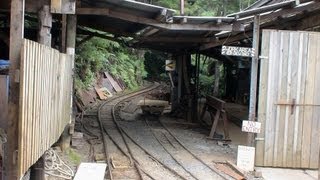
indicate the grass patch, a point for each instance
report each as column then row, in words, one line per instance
column 73, row 156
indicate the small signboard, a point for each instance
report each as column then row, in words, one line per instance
column 251, row 126
column 91, row 171
column 237, row 51
column 245, row 158
column 170, row 65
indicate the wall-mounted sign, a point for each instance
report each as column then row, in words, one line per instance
column 245, row 158
column 251, row 126
column 237, row 51
column 170, row 65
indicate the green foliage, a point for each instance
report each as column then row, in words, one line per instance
column 207, row 7
column 98, row 55
column 155, row 65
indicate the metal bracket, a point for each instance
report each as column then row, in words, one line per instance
column 259, row 139
column 263, row 57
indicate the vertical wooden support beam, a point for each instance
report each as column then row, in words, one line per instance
column 186, row 59
column 254, row 77
column 16, row 40
column 45, row 24
column 63, row 33
column 71, row 44
column 181, row 7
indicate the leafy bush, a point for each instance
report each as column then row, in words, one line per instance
column 98, row 55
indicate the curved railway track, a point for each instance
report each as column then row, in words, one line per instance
column 113, row 132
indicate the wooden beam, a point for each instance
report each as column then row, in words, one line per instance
column 263, row 9
column 16, row 40
column 45, row 24
column 63, row 33
column 154, row 23
column 162, row 16
column 254, row 77
column 265, row 19
column 65, row 138
column 181, row 7
column 175, row 39
column 100, row 35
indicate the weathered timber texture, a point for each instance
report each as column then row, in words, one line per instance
column 289, row 103
column 45, row 88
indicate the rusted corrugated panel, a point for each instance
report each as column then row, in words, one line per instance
column 289, row 103
column 45, row 100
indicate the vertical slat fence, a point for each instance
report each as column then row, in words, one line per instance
column 45, row 100
column 289, row 103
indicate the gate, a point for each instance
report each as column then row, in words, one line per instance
column 289, row 100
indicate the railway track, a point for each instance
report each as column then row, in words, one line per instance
column 190, row 162
column 118, row 144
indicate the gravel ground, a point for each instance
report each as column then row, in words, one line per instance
column 193, row 137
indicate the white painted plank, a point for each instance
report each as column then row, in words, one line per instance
column 94, row 171
column 262, row 100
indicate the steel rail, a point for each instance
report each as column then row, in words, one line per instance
column 190, row 152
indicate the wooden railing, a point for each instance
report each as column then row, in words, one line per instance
column 45, row 100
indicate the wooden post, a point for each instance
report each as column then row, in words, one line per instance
column 254, row 77
column 181, row 7
column 45, row 24
column 63, row 33
column 16, row 39
column 71, row 43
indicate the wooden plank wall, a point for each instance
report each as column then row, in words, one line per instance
column 45, row 93
column 4, row 83
column 289, row 73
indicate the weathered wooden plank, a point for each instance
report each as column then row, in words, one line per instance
column 302, row 71
column 282, row 84
column 315, row 124
column 113, row 82
column 271, row 108
column 293, row 55
column 263, row 86
column 308, row 110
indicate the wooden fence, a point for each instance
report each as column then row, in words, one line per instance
column 289, row 100
column 45, row 100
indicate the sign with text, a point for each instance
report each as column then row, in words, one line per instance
column 245, row 158
column 170, row 65
column 237, row 51
column 251, row 126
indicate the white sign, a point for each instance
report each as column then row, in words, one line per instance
column 245, row 158
column 251, row 126
column 237, row 51
column 170, row 65
column 91, row 171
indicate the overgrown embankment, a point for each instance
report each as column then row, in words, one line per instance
column 100, row 55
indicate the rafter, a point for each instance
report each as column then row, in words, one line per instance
column 155, row 23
